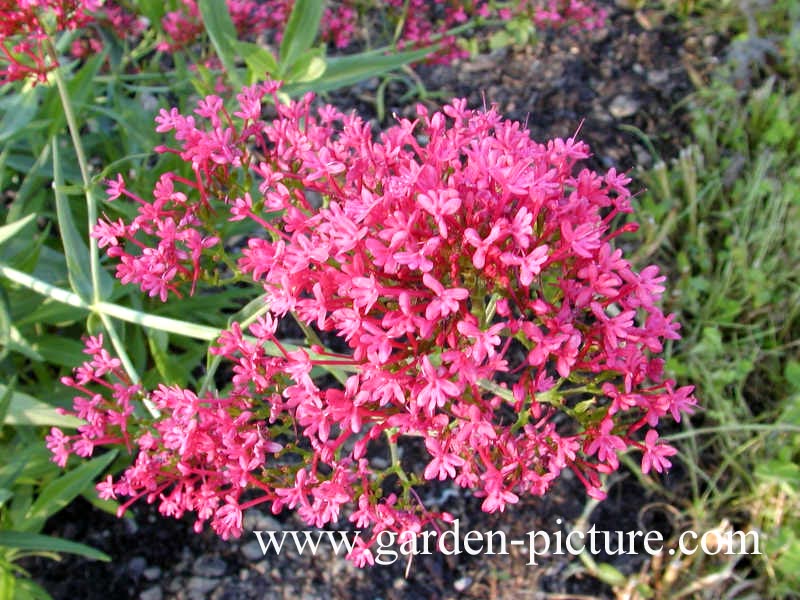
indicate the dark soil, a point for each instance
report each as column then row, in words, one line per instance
column 630, row 77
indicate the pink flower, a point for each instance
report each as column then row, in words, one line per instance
column 446, row 301
column 443, row 464
column 436, row 391
column 605, row 444
column 655, row 453
column 227, row 521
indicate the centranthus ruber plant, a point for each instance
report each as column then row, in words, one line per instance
column 24, row 27
column 464, row 279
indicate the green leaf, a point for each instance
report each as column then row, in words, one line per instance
column 36, row 542
column 610, row 575
column 780, row 472
column 154, row 10
column 7, row 584
column 75, row 251
column 342, row 71
column 791, row 410
column 170, row 371
column 309, row 67
column 583, row 406
column 27, row 410
column 9, row 231
column 300, row 32
column 79, row 88
column 27, row 589
column 5, row 326
column 5, row 399
column 222, row 33
column 60, row 350
column 792, row 374
column 45, row 263
column 499, row 39
column 258, row 59
column 63, row 490
column 17, row 461
column 17, row 343
column 18, row 113
column 51, row 312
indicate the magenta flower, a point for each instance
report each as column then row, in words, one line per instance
column 655, row 453
column 466, row 276
column 23, row 33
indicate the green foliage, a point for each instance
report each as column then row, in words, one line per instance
column 32, row 489
column 725, row 215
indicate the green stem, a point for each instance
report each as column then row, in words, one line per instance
column 395, row 457
column 91, row 209
column 130, row 315
column 774, row 428
column 217, row 359
column 83, row 165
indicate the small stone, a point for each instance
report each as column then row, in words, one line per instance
column 482, row 62
column 252, row 551
column 623, row 106
column 260, row 567
column 379, row 462
column 657, row 77
column 151, row 573
column 131, row 526
column 643, row 157
column 209, row 566
column 136, row 565
column 201, row 585
column 462, row 584
column 152, row 593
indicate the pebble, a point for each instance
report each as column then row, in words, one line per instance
column 462, row 584
column 137, row 565
column 657, row 77
column 260, row 567
column 151, row 573
column 623, row 106
column 252, row 551
column 152, row 593
column 209, row 566
column 643, row 157
column 201, row 585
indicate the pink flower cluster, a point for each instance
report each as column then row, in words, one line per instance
column 23, row 30
column 124, row 24
column 253, row 18
column 467, row 269
column 421, row 22
column 426, row 21
column 196, row 458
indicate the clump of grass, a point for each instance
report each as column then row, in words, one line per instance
column 725, row 215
